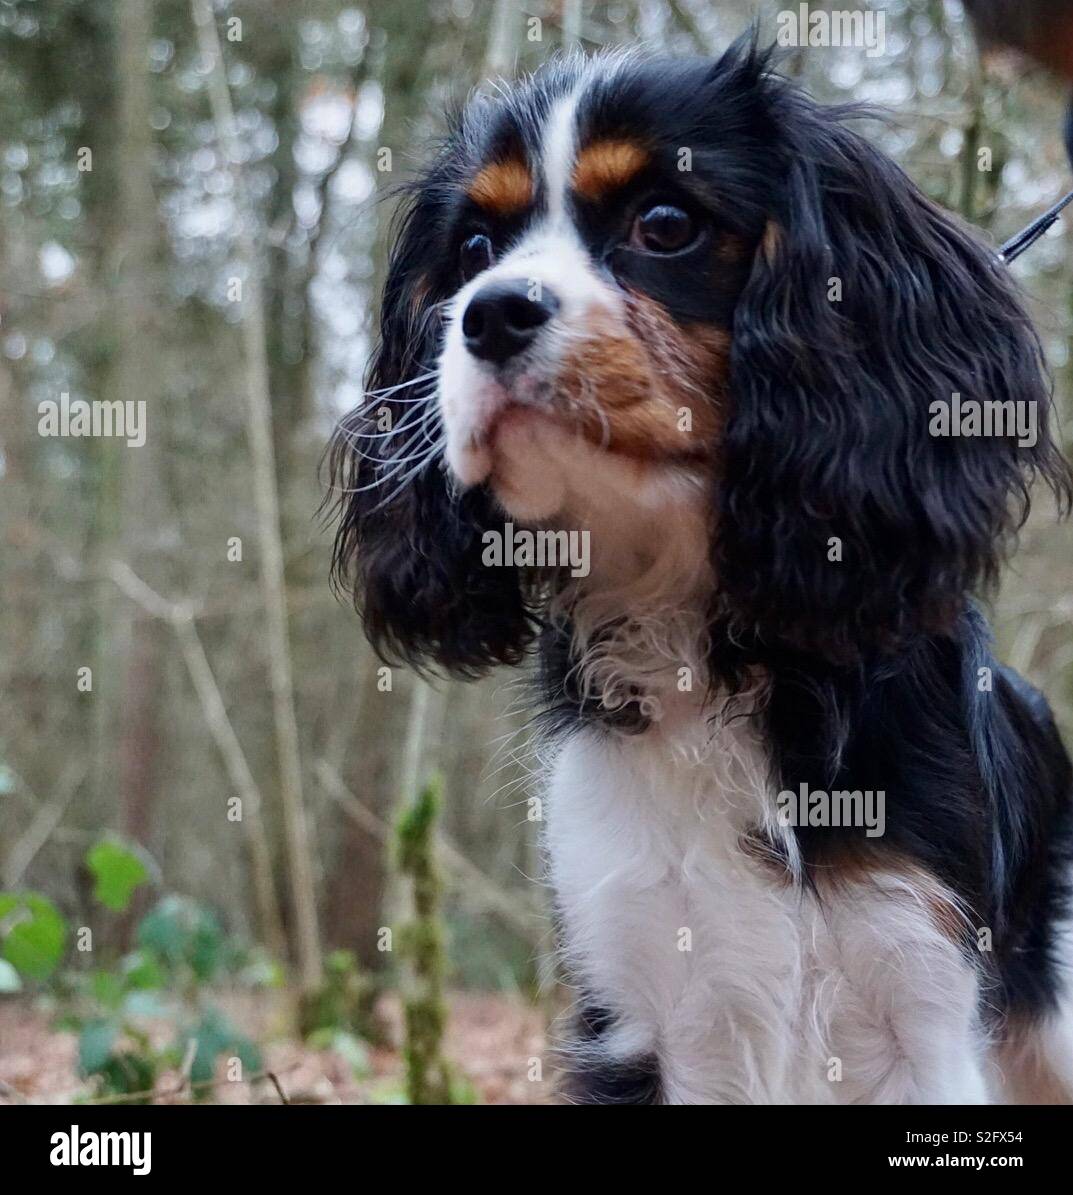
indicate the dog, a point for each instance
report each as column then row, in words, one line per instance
column 678, row 307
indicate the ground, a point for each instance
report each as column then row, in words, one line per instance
column 493, row 1039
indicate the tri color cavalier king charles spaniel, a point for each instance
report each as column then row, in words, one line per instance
column 678, row 305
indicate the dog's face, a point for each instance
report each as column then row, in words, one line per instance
column 633, row 291
column 597, row 259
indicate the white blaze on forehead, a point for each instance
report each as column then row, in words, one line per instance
column 558, row 152
column 472, row 394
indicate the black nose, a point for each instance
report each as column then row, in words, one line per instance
column 504, row 317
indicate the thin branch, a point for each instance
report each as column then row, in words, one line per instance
column 271, row 1076
column 43, row 825
column 469, row 880
column 180, row 616
column 688, row 22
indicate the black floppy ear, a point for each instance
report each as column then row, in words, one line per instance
column 844, row 524
column 407, row 546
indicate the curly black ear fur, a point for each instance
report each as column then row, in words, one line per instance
column 407, row 546
column 828, row 446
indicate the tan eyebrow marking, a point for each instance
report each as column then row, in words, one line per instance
column 502, row 188
column 605, row 166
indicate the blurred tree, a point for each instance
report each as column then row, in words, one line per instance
column 136, row 384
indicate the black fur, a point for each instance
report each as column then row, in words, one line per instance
column 589, row 1078
column 874, row 660
column 829, row 440
column 978, row 790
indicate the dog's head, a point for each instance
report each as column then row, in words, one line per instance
column 639, row 295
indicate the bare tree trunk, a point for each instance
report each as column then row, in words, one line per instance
column 22, row 582
column 358, row 877
column 259, row 430
column 137, row 381
column 974, row 133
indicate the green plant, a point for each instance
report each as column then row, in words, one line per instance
column 181, row 948
column 430, row 1079
column 148, row 1011
column 343, row 1003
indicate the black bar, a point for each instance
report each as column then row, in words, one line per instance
column 308, row 1144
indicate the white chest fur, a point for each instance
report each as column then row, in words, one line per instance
column 745, row 986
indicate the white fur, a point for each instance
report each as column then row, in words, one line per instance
column 778, row 995
column 560, row 145
column 478, row 403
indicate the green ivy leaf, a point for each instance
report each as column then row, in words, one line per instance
column 164, row 929
column 215, row 1035
column 179, row 930
column 32, row 933
column 118, row 870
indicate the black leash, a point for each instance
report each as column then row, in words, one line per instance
column 1026, row 239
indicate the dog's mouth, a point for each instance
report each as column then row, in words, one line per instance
column 518, row 415
column 536, row 408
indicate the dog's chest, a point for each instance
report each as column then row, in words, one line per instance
column 715, row 962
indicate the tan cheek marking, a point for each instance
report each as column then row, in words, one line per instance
column 605, row 166
column 646, row 387
column 502, row 188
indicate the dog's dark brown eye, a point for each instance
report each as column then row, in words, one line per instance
column 663, row 229
column 475, row 255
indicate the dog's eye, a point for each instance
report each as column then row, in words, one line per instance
column 663, row 229
column 475, row 255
